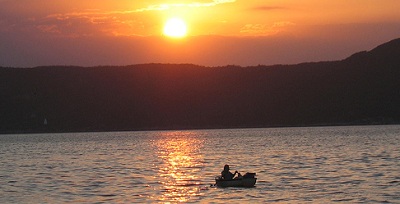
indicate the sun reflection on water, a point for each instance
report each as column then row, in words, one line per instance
column 182, row 161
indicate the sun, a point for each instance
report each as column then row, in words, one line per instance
column 175, row 28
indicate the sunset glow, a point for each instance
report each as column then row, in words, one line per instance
column 216, row 32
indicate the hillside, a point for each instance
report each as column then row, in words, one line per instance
column 362, row 89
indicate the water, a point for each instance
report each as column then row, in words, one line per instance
column 293, row 165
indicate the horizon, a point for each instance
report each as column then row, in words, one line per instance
column 199, row 65
column 216, row 33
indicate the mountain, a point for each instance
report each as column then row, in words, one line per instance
column 361, row 89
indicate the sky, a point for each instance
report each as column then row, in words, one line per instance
column 219, row 32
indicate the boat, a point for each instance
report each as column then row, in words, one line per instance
column 248, row 180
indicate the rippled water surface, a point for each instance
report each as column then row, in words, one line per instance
column 293, row 165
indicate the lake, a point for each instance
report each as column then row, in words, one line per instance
column 294, row 165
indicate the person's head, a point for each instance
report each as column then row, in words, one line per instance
column 226, row 167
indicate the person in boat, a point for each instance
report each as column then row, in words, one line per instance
column 227, row 175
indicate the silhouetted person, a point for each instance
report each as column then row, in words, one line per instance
column 227, row 175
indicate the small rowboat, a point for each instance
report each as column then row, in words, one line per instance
column 248, row 180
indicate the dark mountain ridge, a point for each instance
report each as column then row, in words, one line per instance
column 361, row 89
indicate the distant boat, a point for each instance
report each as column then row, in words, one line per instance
column 248, row 180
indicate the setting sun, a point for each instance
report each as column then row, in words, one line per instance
column 175, row 27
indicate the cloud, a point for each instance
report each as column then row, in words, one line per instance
column 96, row 22
column 264, row 29
column 160, row 7
column 49, row 29
column 251, row 29
column 117, row 23
column 268, row 8
column 154, row 7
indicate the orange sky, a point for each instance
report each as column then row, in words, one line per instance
column 220, row 32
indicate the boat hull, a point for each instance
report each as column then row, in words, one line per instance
column 244, row 182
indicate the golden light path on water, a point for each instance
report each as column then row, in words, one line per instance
column 181, row 163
